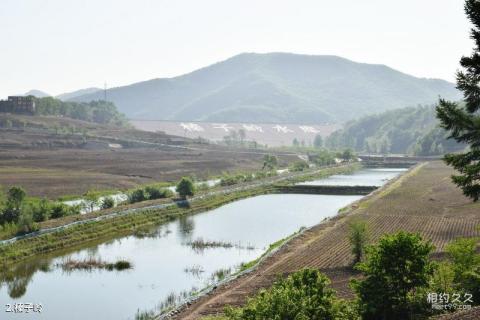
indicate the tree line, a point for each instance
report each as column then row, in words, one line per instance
column 98, row 111
column 413, row 131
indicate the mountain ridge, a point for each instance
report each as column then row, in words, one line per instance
column 276, row 87
column 73, row 94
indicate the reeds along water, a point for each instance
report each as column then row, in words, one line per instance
column 92, row 263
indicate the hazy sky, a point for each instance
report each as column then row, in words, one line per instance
column 64, row 45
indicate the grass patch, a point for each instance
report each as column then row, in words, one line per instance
column 220, row 274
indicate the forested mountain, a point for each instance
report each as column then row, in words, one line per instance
column 408, row 130
column 276, row 87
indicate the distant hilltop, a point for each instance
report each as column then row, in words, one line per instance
column 276, row 87
column 64, row 96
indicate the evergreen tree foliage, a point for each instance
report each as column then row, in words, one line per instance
column 463, row 121
column 185, row 187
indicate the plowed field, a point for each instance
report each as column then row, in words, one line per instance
column 423, row 200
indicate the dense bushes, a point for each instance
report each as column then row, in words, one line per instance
column 94, row 111
column 464, row 267
column 270, row 162
column 185, row 187
column 59, row 210
column 299, row 165
column 303, row 295
column 19, row 215
column 398, row 276
column 148, row 193
column 232, row 179
column 395, row 272
column 322, row 157
column 107, row 203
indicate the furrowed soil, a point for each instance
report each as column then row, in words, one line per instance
column 423, row 200
column 53, row 157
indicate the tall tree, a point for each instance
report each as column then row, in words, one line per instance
column 358, row 237
column 185, row 187
column 463, row 121
column 394, row 271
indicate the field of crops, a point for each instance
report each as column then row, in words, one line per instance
column 423, row 200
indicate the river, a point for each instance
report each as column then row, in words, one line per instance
column 165, row 265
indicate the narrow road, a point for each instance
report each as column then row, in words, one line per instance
column 267, row 181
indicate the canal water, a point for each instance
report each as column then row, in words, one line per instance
column 364, row 177
column 166, row 264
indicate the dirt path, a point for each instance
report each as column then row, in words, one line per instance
column 121, row 211
column 423, row 200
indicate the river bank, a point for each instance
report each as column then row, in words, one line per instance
column 125, row 222
column 170, row 261
column 423, row 200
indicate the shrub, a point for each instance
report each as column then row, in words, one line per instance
column 157, row 193
column 465, row 265
column 228, row 180
column 41, row 212
column 107, row 203
column 185, row 187
column 463, row 254
column 26, row 223
column 299, row 166
column 91, row 199
column 269, row 162
column 15, row 198
column 394, row 271
column 323, row 158
column 303, row 295
column 60, row 210
column 358, row 238
column 137, row 195
column 10, row 214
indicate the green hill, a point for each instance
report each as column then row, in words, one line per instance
column 408, row 130
column 276, row 87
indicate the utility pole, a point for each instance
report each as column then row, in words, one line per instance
column 105, row 92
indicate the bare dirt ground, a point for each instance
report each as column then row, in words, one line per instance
column 423, row 201
column 272, row 134
column 53, row 173
column 43, row 156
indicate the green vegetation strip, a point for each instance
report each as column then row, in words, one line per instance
column 111, row 228
column 127, row 224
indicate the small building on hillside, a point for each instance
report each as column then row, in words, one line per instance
column 18, row 104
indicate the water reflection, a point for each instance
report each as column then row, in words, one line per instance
column 186, row 225
column 17, row 279
column 164, row 267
